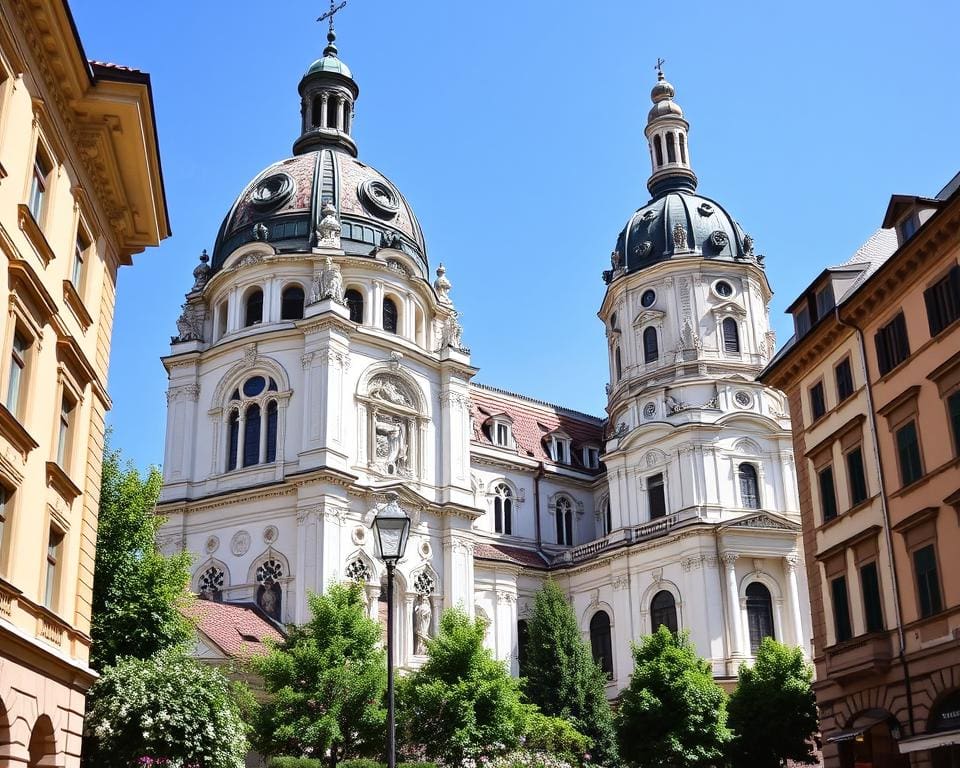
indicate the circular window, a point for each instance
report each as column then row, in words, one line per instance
column 379, row 198
column 723, row 288
column 273, row 191
column 743, row 399
column 648, row 298
column 253, row 387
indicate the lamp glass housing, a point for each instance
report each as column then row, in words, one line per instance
column 391, row 528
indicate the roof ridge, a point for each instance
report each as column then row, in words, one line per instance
column 562, row 408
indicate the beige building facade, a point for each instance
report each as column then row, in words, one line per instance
column 873, row 380
column 81, row 191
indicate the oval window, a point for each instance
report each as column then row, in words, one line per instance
column 648, row 298
column 253, row 387
column 723, row 288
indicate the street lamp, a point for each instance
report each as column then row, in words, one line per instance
column 391, row 527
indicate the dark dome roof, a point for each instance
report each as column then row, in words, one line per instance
column 677, row 224
column 282, row 206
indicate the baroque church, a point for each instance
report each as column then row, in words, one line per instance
column 320, row 371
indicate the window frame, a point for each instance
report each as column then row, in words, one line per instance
column 851, row 486
column 651, row 349
column 937, row 582
column 301, row 306
column 503, row 505
column 53, row 570
column 66, row 441
column 247, row 297
column 844, row 393
column 564, row 520
column 818, row 400
column 601, row 642
column 942, row 301
column 672, row 609
column 887, row 339
column 869, row 625
column 841, row 622
column 24, row 361
column 757, row 501
column 821, row 471
column 732, row 345
column 8, row 510
column 900, row 428
column 650, row 482
column 42, row 151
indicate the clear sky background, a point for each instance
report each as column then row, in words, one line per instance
column 515, row 130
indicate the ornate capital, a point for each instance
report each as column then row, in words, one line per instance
column 729, row 558
column 506, row 597
column 791, row 562
column 306, row 359
column 621, row 582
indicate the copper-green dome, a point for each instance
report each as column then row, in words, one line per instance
column 329, row 64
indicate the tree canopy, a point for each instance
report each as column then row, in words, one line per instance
column 672, row 714
column 325, row 683
column 137, row 591
column 562, row 678
column 773, row 712
column 462, row 704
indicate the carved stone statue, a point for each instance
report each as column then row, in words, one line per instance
column 190, row 323
column 390, row 433
column 422, row 620
column 442, row 285
column 384, row 388
column 328, row 284
column 201, row 272
column 327, row 233
column 452, row 334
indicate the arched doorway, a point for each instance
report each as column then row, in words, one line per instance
column 870, row 741
column 43, row 744
column 944, row 718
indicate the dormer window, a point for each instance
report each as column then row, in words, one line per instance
column 560, row 449
column 501, row 431
column 909, row 227
column 591, row 457
column 503, row 435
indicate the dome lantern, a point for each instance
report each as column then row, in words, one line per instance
column 327, row 95
column 666, row 133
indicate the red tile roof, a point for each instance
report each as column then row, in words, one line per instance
column 532, row 421
column 110, row 65
column 238, row 629
column 506, row 554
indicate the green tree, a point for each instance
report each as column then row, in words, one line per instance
column 773, row 712
column 137, row 591
column 562, row 678
column 462, row 703
column 168, row 708
column 672, row 714
column 325, row 683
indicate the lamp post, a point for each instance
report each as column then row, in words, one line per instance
column 391, row 527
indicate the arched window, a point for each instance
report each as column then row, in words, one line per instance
column 749, row 492
column 221, row 320
column 354, row 300
column 759, row 614
column 233, row 439
column 658, row 150
column 564, row 511
column 671, row 148
column 683, row 149
column 254, row 309
column 269, row 594
column 618, row 362
column 333, row 106
column 211, row 583
column 606, row 522
column 503, row 509
column 523, row 639
column 253, row 404
column 731, row 336
column 601, row 644
column 317, row 111
column 663, row 611
column 390, row 315
column 651, row 350
column 251, row 435
column 291, row 303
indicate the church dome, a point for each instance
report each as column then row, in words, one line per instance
column 282, row 206
column 329, row 64
column 677, row 224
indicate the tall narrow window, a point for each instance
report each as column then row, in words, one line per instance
column 841, row 608
column 233, row 440
column 749, row 491
column 663, row 611
column 731, row 336
column 818, row 402
column 759, row 614
column 953, row 407
column 291, row 303
column 503, row 509
column 333, row 106
column 271, row 431
column 251, row 436
column 18, row 364
column 651, row 350
column 656, row 498
column 354, row 301
column 943, row 301
column 928, row 580
column 872, row 602
column 254, row 309
column 844, row 380
column 683, row 148
column 52, row 583
column 39, row 182
column 658, row 150
column 893, row 345
column 80, row 249
column 65, row 432
column 564, row 510
column 222, row 320
column 317, row 111
column 856, row 477
column 828, row 496
column 601, row 643
column 390, row 315
column 908, row 453
column 5, row 506
column 618, row 363
column 671, row 148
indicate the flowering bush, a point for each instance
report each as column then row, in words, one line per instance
column 168, row 711
column 520, row 759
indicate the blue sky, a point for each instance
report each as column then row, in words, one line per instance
column 515, row 130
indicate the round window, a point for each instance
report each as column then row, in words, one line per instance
column 648, row 298
column 253, row 387
column 743, row 399
column 723, row 288
column 273, row 191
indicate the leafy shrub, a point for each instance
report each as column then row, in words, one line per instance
column 554, row 735
column 361, row 762
column 295, row 762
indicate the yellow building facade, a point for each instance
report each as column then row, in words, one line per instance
column 81, row 191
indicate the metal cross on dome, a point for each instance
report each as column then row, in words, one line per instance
column 332, row 12
column 658, row 67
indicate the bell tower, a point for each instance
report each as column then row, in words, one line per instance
column 667, row 136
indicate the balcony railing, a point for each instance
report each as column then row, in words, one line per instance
column 654, row 528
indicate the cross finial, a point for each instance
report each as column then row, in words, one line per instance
column 328, row 15
column 659, row 67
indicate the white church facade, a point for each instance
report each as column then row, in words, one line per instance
column 320, row 368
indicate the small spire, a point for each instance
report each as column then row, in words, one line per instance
column 666, row 133
column 331, row 49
